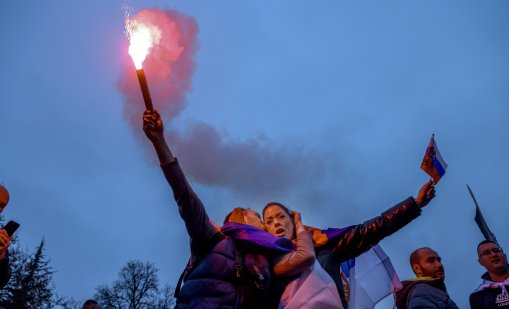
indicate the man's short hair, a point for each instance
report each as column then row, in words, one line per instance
column 414, row 257
column 486, row 242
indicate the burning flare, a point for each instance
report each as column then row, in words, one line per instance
column 163, row 44
column 142, row 38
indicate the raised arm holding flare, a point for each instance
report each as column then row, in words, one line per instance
column 223, row 271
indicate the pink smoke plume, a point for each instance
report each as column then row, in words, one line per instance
column 169, row 66
column 252, row 167
column 255, row 167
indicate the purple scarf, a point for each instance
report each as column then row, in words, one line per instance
column 257, row 238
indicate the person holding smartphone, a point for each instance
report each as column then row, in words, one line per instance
column 5, row 271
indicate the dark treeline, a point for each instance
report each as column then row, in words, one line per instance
column 31, row 285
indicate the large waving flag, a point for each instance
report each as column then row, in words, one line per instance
column 479, row 219
column 371, row 278
column 433, row 163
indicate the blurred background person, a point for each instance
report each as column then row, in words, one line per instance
column 5, row 272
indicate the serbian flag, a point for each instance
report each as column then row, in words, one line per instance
column 433, row 163
column 371, row 278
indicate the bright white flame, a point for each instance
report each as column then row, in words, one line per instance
column 142, row 38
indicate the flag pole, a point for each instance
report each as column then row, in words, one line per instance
column 432, row 180
column 479, row 219
column 472, row 195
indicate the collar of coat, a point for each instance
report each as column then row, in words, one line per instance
column 488, row 284
column 408, row 286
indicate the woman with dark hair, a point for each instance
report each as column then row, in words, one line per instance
column 300, row 281
column 352, row 241
column 246, row 224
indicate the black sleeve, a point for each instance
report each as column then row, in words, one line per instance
column 5, row 271
column 473, row 303
column 362, row 237
column 190, row 207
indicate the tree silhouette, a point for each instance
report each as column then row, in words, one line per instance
column 31, row 283
column 137, row 287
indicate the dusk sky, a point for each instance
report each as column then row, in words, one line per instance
column 325, row 106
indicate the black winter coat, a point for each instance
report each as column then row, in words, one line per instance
column 214, row 280
column 489, row 298
column 5, row 271
column 362, row 237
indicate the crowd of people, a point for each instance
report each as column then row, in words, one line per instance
column 274, row 261
column 245, row 264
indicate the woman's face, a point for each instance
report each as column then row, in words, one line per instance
column 278, row 222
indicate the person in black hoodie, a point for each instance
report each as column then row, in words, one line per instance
column 428, row 289
column 492, row 293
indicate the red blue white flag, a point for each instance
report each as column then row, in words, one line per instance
column 433, row 163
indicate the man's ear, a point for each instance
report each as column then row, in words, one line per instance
column 417, row 270
column 480, row 262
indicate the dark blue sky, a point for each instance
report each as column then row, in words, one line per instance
column 329, row 106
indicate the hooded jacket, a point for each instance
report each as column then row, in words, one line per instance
column 424, row 292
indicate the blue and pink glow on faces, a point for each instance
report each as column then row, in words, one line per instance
column 278, row 222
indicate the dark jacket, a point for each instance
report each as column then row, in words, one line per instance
column 489, row 298
column 214, row 280
column 5, row 271
column 424, row 294
column 360, row 238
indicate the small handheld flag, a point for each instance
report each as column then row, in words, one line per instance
column 433, row 163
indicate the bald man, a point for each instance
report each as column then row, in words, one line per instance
column 427, row 290
column 5, row 272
